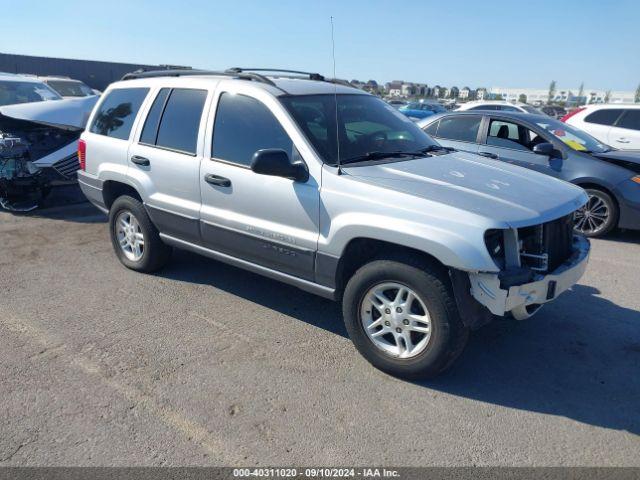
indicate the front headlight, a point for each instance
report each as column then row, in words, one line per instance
column 636, row 179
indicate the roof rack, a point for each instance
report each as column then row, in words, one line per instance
column 311, row 75
column 182, row 72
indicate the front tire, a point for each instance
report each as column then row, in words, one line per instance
column 401, row 315
column 135, row 239
column 599, row 216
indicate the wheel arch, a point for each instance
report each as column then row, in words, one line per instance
column 361, row 250
column 112, row 189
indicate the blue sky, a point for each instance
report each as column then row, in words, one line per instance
column 465, row 43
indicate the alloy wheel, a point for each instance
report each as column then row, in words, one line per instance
column 395, row 319
column 129, row 235
column 593, row 217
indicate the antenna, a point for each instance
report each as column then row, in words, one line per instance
column 335, row 95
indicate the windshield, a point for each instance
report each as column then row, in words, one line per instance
column 574, row 138
column 25, row 92
column 366, row 124
column 70, row 89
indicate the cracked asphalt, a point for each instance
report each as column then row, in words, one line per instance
column 205, row 364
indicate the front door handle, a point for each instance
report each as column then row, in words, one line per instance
column 622, row 140
column 138, row 160
column 217, row 180
column 489, row 155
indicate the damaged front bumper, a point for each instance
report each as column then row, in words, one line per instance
column 524, row 299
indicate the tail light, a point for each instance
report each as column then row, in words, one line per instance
column 82, row 154
column 572, row 113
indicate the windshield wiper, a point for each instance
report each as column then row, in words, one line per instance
column 379, row 155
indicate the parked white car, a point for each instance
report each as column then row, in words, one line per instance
column 617, row 125
column 499, row 105
column 16, row 89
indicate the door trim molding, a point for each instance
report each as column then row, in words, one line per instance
column 301, row 283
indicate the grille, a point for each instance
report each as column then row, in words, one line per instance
column 67, row 167
column 558, row 237
column 547, row 246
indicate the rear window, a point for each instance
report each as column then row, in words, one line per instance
column 464, row 129
column 118, row 111
column 605, row 116
column 70, row 89
column 484, row 107
column 630, row 120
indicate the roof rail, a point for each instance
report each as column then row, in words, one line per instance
column 311, row 75
column 183, row 72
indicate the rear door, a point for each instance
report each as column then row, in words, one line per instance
column 457, row 131
column 625, row 134
column 165, row 160
column 267, row 220
column 599, row 123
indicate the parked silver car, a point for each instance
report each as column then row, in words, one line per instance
column 420, row 243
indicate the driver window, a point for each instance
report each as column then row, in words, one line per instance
column 244, row 125
column 507, row 135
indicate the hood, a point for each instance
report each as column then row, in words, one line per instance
column 65, row 113
column 502, row 192
column 625, row 158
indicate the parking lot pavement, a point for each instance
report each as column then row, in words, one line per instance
column 206, row 364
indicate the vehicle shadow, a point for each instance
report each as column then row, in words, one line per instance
column 65, row 203
column 625, row 236
column 578, row 358
column 319, row 312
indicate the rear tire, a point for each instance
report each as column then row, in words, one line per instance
column 135, row 238
column 432, row 289
column 599, row 216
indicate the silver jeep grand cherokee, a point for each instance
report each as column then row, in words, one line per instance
column 330, row 189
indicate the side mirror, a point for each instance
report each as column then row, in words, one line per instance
column 275, row 162
column 543, row 149
column 547, row 149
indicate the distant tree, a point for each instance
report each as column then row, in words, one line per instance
column 607, row 96
column 637, row 96
column 552, row 91
column 581, row 94
column 498, row 97
column 522, row 98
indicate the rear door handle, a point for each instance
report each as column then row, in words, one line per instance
column 622, row 140
column 138, row 160
column 489, row 155
column 217, row 180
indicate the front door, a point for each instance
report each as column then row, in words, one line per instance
column 267, row 220
column 512, row 143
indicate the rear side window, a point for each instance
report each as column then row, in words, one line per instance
column 630, row 120
column 432, row 129
column 464, row 129
column 243, row 126
column 606, row 116
column 117, row 112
